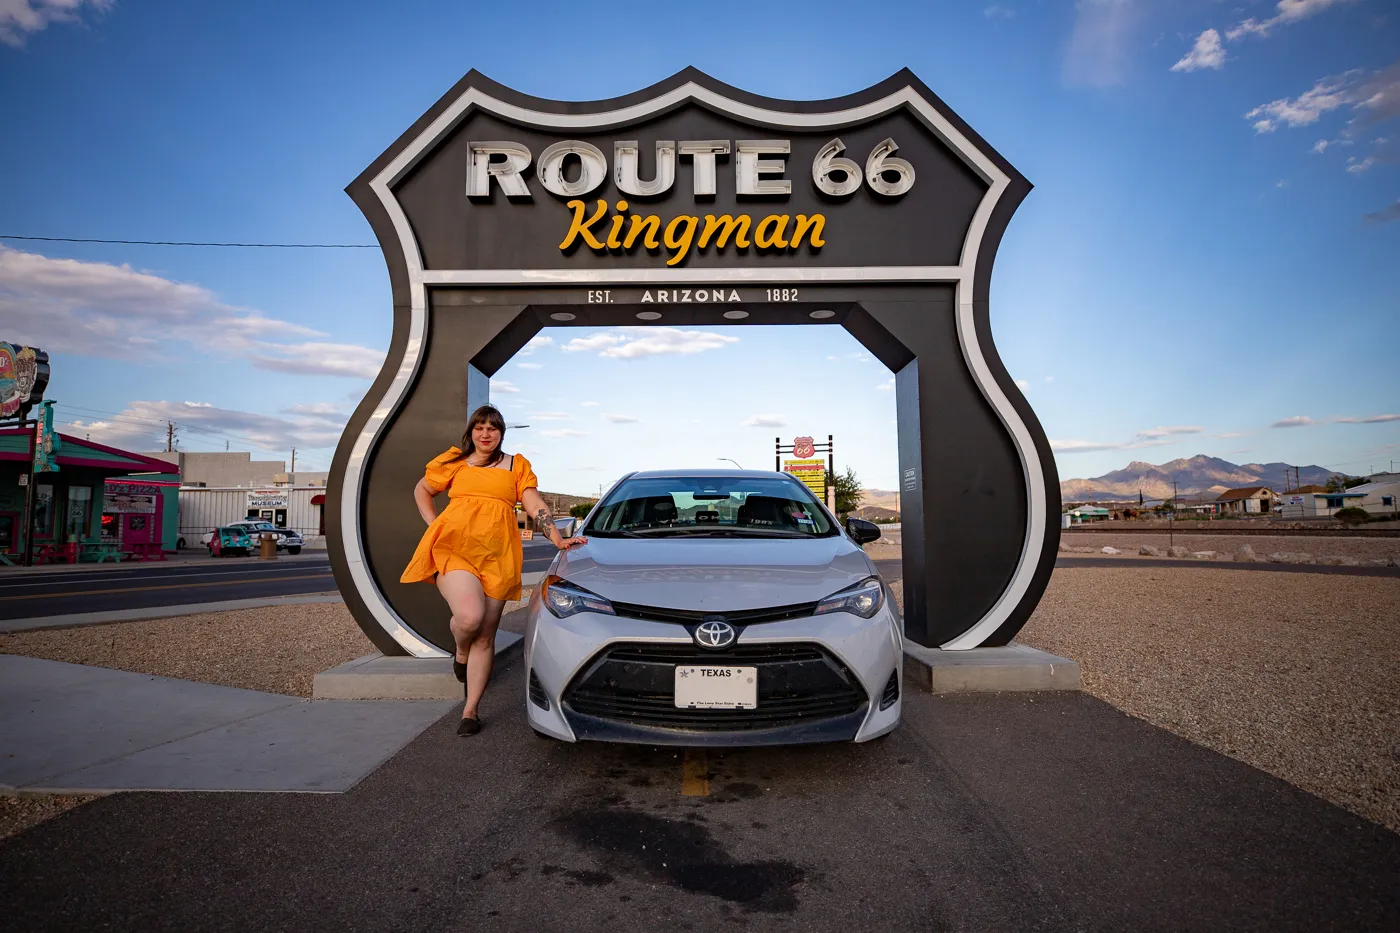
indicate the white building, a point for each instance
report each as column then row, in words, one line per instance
column 300, row 508
column 1249, row 500
column 1380, row 496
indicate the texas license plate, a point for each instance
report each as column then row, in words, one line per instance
column 709, row 686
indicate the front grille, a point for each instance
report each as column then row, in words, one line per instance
column 695, row 617
column 537, row 694
column 891, row 693
column 634, row 683
column 686, row 653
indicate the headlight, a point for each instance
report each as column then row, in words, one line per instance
column 864, row 599
column 564, row 598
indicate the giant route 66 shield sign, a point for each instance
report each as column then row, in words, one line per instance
column 692, row 203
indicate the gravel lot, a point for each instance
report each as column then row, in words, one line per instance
column 20, row 813
column 1297, row 676
column 277, row 649
column 1263, row 545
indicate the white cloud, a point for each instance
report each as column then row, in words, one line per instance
column 141, row 426
column 764, row 421
column 1157, row 432
column 1288, row 12
column 94, row 308
column 1230, row 434
column 21, row 18
column 621, row 419
column 1150, row 437
column 1049, row 378
column 597, row 341
column 1022, row 384
column 537, row 341
column 1356, row 166
column 550, row 416
column 997, row 11
column 564, row 432
column 1373, row 419
column 503, row 386
column 1385, row 215
column 1206, row 53
column 1372, row 99
column 1323, row 97
column 590, row 404
column 1297, row 421
column 530, row 365
column 887, row 385
column 635, row 342
column 1097, row 53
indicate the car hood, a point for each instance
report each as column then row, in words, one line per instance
column 719, row 574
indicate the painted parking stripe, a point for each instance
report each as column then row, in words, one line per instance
column 166, row 586
column 695, row 774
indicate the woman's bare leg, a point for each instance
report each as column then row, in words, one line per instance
column 475, row 617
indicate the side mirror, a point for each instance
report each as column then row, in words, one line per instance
column 861, row 531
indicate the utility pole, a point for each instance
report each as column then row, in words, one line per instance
column 169, row 436
column 294, row 466
column 1171, row 519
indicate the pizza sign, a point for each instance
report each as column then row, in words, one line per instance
column 803, row 447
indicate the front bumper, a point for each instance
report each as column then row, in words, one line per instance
column 609, row 678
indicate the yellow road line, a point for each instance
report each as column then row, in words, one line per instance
column 695, row 774
column 167, row 586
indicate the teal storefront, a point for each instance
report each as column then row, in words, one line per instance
column 69, row 504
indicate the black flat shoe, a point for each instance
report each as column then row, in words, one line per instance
column 469, row 727
column 459, row 670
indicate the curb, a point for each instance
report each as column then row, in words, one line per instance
column 379, row 677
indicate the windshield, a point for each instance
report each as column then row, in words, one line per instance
column 719, row 506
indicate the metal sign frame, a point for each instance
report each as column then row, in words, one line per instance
column 489, row 313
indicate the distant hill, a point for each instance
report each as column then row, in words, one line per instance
column 880, row 498
column 1196, row 475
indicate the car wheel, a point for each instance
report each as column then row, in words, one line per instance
column 179, row 542
column 294, row 550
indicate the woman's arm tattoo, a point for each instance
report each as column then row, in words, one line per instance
column 542, row 516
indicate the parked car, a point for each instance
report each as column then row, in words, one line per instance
column 287, row 540
column 229, row 539
column 714, row 608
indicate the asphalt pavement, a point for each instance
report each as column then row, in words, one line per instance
column 983, row 812
column 32, row 594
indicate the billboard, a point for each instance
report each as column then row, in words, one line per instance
column 24, row 374
column 811, row 472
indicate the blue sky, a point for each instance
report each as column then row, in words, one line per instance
column 1208, row 262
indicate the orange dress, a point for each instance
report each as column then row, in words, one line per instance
column 477, row 531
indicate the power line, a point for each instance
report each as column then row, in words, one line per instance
column 71, row 239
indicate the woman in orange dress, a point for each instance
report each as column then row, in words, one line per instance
column 473, row 548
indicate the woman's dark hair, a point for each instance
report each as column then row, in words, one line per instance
column 491, row 415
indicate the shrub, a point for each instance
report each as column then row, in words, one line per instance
column 580, row 509
column 1351, row 515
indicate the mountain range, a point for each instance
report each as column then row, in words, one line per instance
column 1196, row 476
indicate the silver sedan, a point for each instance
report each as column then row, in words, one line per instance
column 714, row 608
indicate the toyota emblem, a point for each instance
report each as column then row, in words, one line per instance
column 715, row 633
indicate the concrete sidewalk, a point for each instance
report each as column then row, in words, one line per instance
column 71, row 728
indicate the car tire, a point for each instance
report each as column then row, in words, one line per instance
column 180, row 543
column 294, row 550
